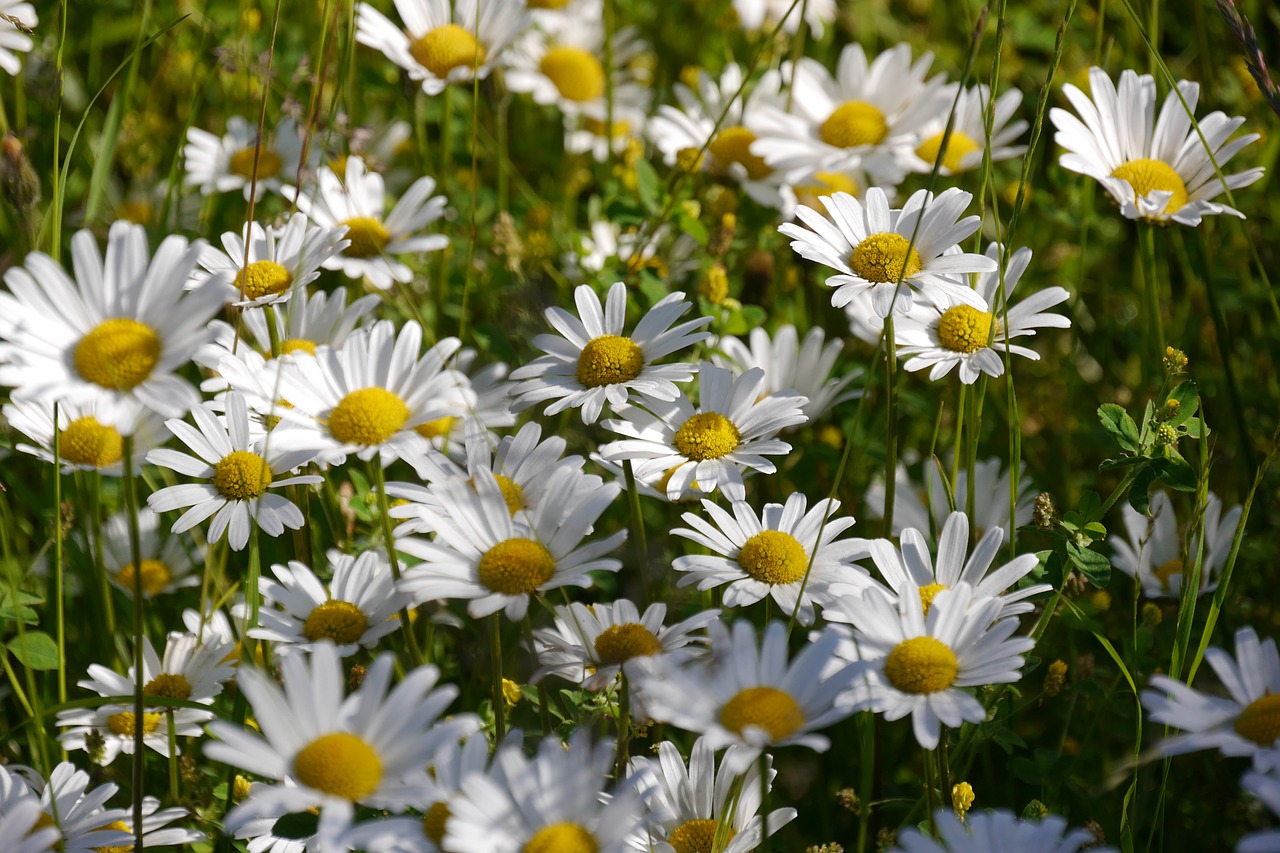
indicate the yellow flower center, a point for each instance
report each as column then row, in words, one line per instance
column 87, row 442
column 763, row 708
column 438, row 428
column 263, row 278
column 445, row 48
column 927, row 594
column 708, row 435
column 516, row 567
column 596, row 127
column 340, row 764
column 921, row 665
column 155, row 577
column 854, row 123
column 1260, row 720
column 1146, row 175
column 608, row 360
column 369, row 416
column 548, row 4
column 561, row 838
column 298, row 345
column 699, row 836
column 120, row 826
column 958, row 147
column 169, row 686
column 1168, row 571
column 576, row 73
column 241, row 163
column 825, row 183
column 511, row 493
column 118, row 354
column 340, row 621
column 883, row 258
column 433, row 823
column 122, row 724
column 368, row 237
column 733, row 145
column 964, row 328
column 618, row 644
column 241, row 475
column 773, row 557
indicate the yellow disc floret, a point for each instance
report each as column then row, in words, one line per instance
column 516, row 567
column 773, row 557
column 576, row 73
column 733, row 145
column 155, row 577
column 241, row 475
column 119, row 354
column 927, row 594
column 1260, row 720
column 87, row 442
column 340, row 621
column 241, row 163
column 708, row 435
column 763, row 708
column 445, row 48
column 169, row 686
column 122, row 724
column 1168, row 571
column 921, row 665
column 369, row 416
column 368, row 237
column 825, row 183
column 854, row 123
column 293, row 345
column 1146, row 175
column 608, row 360
column 958, row 147
column 561, row 838
column 883, row 258
column 699, row 836
column 433, row 823
column 963, row 328
column 511, row 493
column 118, row 826
column 618, row 644
column 340, row 764
column 263, row 278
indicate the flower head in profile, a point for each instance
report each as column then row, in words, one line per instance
column 219, row 164
column 1152, row 551
column 88, row 439
column 791, row 365
column 73, row 810
column 967, row 144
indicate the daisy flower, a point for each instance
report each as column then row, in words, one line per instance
column 611, row 244
column 589, row 644
column 191, row 670
column 1241, row 724
column 76, row 813
column 921, row 663
column 552, row 802
column 484, row 554
column 690, row 805
column 1153, row 550
column 867, row 245
column 588, row 131
column 239, row 471
column 156, row 831
column 13, row 40
column 438, row 47
column 748, row 694
column 371, row 396
column 332, row 752
column 1156, row 169
column 108, row 730
column 927, row 508
column 968, row 139
column 1267, row 789
column 785, row 553
column 982, row 832
column 89, row 441
column 356, row 608
column 492, row 409
column 732, row 428
column 168, row 564
column 766, row 14
column 592, row 361
column 22, row 829
column 789, row 365
column 374, row 237
column 118, row 334
column 449, row 767
column 281, row 260
column 219, row 164
column 564, row 65
column 653, row 484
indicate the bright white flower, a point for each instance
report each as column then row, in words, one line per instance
column 690, row 806
column 732, row 428
column 280, row 260
column 156, row 831
column 789, row 365
column 1158, row 170
column 592, row 361
column 983, row 832
column 223, row 164
column 191, row 670
column 21, row 827
column 168, row 563
column 438, row 47
column 969, row 132
column 590, row 644
column 356, row 608
column 867, row 246
column 611, row 245
column 108, row 730
column 333, row 752
column 1241, row 724
column 13, row 40
column 785, row 553
column 118, row 333
column 88, row 441
column 358, row 201
column 76, row 813
column 239, row 470
column 653, row 484
column 492, row 409
column 767, row 14
column 1267, row 789
column 565, row 66
column 496, row 560
column 926, row 509
column 1153, row 551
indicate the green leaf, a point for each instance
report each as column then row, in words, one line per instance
column 1095, row 567
column 1116, row 421
column 296, row 826
column 10, row 613
column 1188, row 398
column 648, row 185
column 1090, row 505
column 694, row 228
column 1123, row 462
column 1177, row 473
column 1140, row 490
column 35, row 650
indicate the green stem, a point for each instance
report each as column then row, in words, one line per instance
column 58, row 568
column 867, row 762
column 1155, row 322
column 764, row 802
column 624, row 730
column 173, row 757
column 931, row 803
column 499, row 699
column 637, row 530
column 139, row 606
column 891, row 436
column 389, row 538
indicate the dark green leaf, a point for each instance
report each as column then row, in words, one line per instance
column 1095, row 567
column 1188, row 402
column 1116, row 421
column 35, row 650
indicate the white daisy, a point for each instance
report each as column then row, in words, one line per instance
column 119, row 332
column 156, row 831
column 589, row 644
column 280, row 260
column 732, row 428
column 437, row 46
column 449, row 767
column 609, row 244
column 926, row 509
column 21, row 828
column 239, row 470
column 785, row 553
column 88, row 440
column 968, row 139
column 975, row 336
column 1153, row 551
column 653, row 484
column 219, row 164
column 12, row 39
column 358, row 201
column 82, row 824
column 492, row 409
column 168, row 562
column 588, row 131
column 789, row 365
column 1157, row 169
column 483, row 553
column 191, row 670
column 356, row 608
column 1267, row 789
column 109, row 730
column 982, row 832
column 1241, row 724
column 592, row 361
column 767, row 14
column 867, row 246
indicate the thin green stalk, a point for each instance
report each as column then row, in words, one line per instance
column 173, row 757
column 139, row 606
column 59, row 189
column 867, row 765
column 58, row 567
column 930, row 799
column 389, row 538
column 624, row 729
column 637, row 530
column 1151, row 286
column 499, row 699
column 891, row 437
column 763, row 763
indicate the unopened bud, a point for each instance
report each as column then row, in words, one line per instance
column 714, row 286
column 1035, row 810
column 18, row 180
column 1042, row 514
column 962, row 798
column 1175, row 361
column 1151, row 615
column 1170, row 409
column 849, row 801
